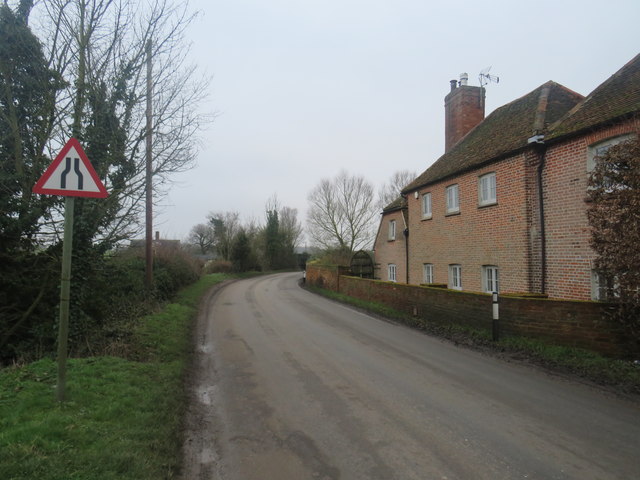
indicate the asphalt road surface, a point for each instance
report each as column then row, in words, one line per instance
column 289, row 385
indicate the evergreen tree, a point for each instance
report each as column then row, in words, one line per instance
column 27, row 97
column 241, row 255
column 273, row 241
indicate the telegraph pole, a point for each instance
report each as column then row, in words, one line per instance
column 149, row 176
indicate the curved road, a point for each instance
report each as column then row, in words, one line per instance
column 289, row 385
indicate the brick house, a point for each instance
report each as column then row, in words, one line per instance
column 504, row 208
column 391, row 243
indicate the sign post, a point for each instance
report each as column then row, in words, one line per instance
column 496, row 317
column 65, row 297
column 70, row 175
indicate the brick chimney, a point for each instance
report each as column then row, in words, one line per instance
column 464, row 109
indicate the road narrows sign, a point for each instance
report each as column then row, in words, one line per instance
column 71, row 174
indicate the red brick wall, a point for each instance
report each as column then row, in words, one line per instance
column 390, row 251
column 569, row 323
column 569, row 257
column 324, row 276
column 493, row 235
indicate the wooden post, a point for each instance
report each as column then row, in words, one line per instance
column 65, row 294
column 149, row 176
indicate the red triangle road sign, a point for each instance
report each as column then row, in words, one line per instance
column 71, row 174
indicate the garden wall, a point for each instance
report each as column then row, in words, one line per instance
column 563, row 322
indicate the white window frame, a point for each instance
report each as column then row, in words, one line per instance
column 427, row 272
column 455, row 277
column 490, row 279
column 392, row 230
column 487, row 194
column 598, row 290
column 426, row 206
column 392, row 272
column 600, row 148
column 453, row 198
column 599, row 287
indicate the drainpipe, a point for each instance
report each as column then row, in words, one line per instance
column 538, row 140
column 406, row 252
column 406, row 242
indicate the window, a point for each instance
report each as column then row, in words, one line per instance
column 455, row 277
column 603, row 288
column 392, row 229
column 391, row 272
column 601, row 148
column 490, row 278
column 487, row 189
column 598, row 286
column 426, row 205
column 427, row 270
column 453, row 203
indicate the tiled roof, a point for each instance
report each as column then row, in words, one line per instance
column 398, row 204
column 504, row 132
column 617, row 97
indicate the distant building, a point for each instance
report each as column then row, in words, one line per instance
column 157, row 243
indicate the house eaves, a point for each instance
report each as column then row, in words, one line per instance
column 399, row 203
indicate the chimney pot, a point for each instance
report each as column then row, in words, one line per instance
column 464, row 79
column 454, row 84
column 157, row 235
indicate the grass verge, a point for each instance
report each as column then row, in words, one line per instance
column 122, row 418
column 621, row 375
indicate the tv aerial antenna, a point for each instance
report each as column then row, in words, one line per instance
column 485, row 77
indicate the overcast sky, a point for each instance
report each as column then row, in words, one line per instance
column 305, row 88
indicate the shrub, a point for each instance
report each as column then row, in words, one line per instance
column 613, row 215
column 173, row 269
column 218, row 266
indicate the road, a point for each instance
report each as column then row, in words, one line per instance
column 289, row 385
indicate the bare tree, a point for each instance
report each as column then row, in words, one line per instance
column 290, row 227
column 98, row 48
column 342, row 213
column 202, row 236
column 225, row 228
column 390, row 191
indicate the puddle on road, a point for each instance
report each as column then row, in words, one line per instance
column 206, row 395
column 207, row 455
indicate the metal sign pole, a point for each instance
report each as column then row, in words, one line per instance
column 65, row 293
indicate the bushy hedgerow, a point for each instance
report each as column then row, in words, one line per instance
column 108, row 296
column 218, row 266
column 172, row 270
